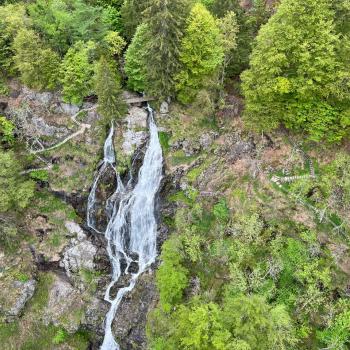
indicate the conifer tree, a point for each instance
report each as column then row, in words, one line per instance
column 132, row 15
column 165, row 21
column 134, row 60
column 201, row 53
column 107, row 87
column 296, row 77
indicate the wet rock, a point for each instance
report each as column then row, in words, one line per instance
column 133, row 267
column 3, row 106
column 95, row 313
column 132, row 140
column 24, row 291
column 130, row 323
column 136, row 133
column 137, row 118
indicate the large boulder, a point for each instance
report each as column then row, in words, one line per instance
column 136, row 132
column 24, row 291
column 65, row 307
column 80, row 253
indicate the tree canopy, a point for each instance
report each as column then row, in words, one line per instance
column 201, row 53
column 295, row 75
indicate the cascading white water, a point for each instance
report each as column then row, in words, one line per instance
column 108, row 160
column 132, row 229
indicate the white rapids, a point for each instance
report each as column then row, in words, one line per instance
column 132, row 229
column 108, row 160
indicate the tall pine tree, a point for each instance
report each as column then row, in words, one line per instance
column 165, row 20
column 134, row 60
column 107, row 87
column 132, row 15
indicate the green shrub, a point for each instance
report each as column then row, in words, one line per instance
column 6, row 131
column 221, row 211
column 171, row 275
column 164, row 138
column 60, row 337
column 41, row 175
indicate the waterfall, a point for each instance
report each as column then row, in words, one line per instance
column 108, row 160
column 132, row 229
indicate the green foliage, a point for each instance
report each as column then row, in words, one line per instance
column 337, row 335
column 134, row 60
column 6, row 131
column 107, row 86
column 131, row 13
column 13, row 18
column 15, row 191
column 221, row 7
column 335, row 182
column 65, row 22
column 8, row 330
column 249, row 22
column 201, row 53
column 199, row 328
column 60, row 337
column 40, row 175
column 38, row 66
column 221, row 210
column 171, row 276
column 77, row 72
column 164, row 138
column 114, row 43
column 22, row 277
column 243, row 315
column 296, row 77
column 41, row 295
column 165, row 21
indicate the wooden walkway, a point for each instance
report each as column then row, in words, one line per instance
column 141, row 99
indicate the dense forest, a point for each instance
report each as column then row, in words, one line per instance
column 257, row 253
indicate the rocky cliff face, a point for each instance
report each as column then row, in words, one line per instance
column 58, row 274
column 68, row 262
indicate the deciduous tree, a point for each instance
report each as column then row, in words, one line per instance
column 201, row 53
column 15, row 190
column 38, row 65
column 77, row 72
column 296, row 77
column 64, row 22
